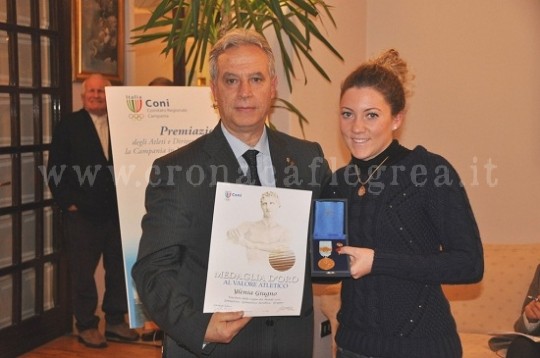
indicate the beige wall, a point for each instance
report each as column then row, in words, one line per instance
column 477, row 98
column 476, row 101
column 146, row 61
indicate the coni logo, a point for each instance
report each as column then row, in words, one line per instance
column 135, row 104
column 229, row 194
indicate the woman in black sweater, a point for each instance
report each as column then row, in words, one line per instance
column 411, row 227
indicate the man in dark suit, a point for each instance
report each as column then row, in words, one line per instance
column 528, row 322
column 170, row 272
column 81, row 181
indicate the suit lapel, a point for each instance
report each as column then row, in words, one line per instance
column 221, row 155
column 281, row 158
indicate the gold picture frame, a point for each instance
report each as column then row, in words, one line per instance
column 98, row 33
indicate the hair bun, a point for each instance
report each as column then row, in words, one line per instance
column 391, row 60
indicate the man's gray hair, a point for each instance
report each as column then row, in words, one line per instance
column 240, row 37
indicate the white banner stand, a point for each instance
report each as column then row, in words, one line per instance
column 147, row 122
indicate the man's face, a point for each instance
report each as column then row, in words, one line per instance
column 244, row 91
column 93, row 97
column 269, row 204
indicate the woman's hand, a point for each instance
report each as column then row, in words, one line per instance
column 360, row 259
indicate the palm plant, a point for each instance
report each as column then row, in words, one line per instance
column 204, row 21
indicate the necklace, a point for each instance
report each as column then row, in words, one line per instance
column 362, row 189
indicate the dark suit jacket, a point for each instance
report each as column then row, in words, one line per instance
column 78, row 171
column 534, row 291
column 170, row 272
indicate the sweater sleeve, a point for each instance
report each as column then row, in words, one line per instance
column 433, row 222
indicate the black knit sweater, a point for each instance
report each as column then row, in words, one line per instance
column 417, row 218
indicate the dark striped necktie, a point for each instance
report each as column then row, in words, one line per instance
column 251, row 158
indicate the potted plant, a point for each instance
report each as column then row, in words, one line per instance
column 204, row 21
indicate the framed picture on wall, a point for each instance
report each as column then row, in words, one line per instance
column 98, row 33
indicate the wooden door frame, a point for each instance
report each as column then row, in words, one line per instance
column 24, row 335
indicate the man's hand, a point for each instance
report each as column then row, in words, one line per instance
column 224, row 326
column 532, row 311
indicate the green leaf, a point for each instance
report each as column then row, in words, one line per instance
column 204, row 20
column 291, row 108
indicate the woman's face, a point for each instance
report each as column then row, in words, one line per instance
column 366, row 122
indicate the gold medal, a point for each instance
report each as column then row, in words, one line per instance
column 326, row 263
column 325, row 250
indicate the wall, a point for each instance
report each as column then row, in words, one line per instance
column 146, row 60
column 476, row 100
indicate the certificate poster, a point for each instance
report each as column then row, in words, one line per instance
column 258, row 250
column 147, row 122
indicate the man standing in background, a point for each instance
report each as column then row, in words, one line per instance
column 81, row 179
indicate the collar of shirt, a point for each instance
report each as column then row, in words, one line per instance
column 265, row 168
column 98, row 119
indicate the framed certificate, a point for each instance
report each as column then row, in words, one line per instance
column 328, row 231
